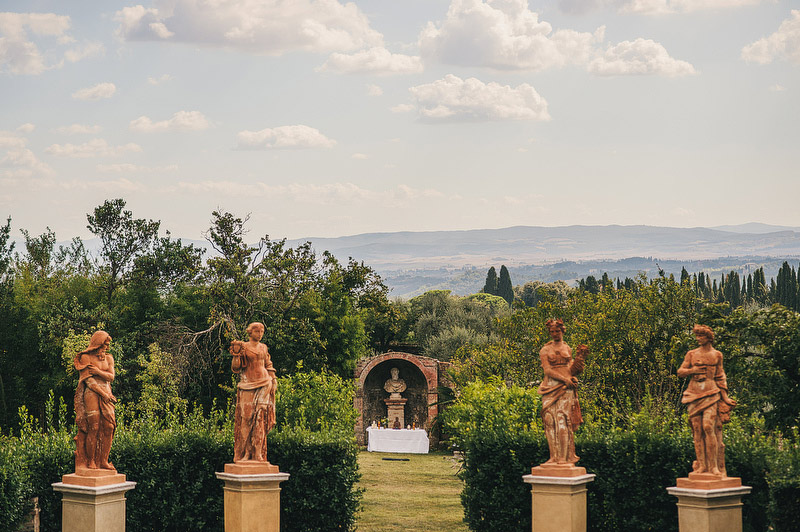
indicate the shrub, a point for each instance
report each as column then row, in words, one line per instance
column 316, row 402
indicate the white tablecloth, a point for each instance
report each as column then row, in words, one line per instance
column 397, row 441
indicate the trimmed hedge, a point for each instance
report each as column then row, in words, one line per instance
column 634, row 466
column 174, row 468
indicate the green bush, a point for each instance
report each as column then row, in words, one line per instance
column 635, row 460
column 316, row 402
column 173, row 460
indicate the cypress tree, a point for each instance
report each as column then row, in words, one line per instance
column 490, row 287
column 504, row 286
column 684, row 276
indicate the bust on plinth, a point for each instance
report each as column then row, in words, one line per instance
column 396, row 403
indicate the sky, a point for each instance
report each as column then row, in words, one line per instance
column 320, row 118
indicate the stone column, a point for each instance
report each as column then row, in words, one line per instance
column 87, row 508
column 558, row 504
column 709, row 510
column 396, row 408
column 252, row 502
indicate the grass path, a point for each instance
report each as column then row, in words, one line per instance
column 420, row 495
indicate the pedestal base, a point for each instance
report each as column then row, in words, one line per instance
column 558, row 504
column 93, row 508
column 395, row 409
column 715, row 510
column 252, row 502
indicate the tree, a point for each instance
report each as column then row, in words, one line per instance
column 123, row 238
column 491, row 284
column 504, row 286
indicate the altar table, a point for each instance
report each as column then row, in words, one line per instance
column 397, row 441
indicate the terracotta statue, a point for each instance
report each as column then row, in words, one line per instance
column 395, row 385
column 94, row 405
column 255, row 397
column 561, row 412
column 708, row 403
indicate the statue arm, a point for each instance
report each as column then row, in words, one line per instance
column 107, row 375
column 559, row 374
column 686, row 369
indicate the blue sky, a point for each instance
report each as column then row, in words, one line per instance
column 323, row 118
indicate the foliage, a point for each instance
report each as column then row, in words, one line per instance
column 173, row 459
column 316, row 402
column 639, row 454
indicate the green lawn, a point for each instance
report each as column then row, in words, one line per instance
column 421, row 495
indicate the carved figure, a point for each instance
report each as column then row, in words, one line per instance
column 255, row 396
column 395, row 385
column 94, row 404
column 561, row 412
column 706, row 398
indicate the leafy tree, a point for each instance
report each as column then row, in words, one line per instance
column 123, row 239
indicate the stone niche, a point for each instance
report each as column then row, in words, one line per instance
column 422, row 376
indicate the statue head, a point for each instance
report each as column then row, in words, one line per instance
column 556, row 328
column 703, row 332
column 255, row 330
column 395, row 373
column 99, row 341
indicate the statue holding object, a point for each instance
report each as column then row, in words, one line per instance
column 255, row 403
column 706, row 397
column 561, row 411
column 94, row 405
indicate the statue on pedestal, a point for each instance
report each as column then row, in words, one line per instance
column 94, row 405
column 255, row 397
column 561, row 411
column 708, row 403
column 395, row 403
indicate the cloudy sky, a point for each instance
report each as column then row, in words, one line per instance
column 323, row 118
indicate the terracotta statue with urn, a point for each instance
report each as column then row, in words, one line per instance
column 706, row 397
column 561, row 411
column 255, row 404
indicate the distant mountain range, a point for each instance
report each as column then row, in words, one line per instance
column 413, row 262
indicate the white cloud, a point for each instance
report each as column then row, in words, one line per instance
column 76, row 129
column 503, row 35
column 18, row 53
column 270, row 28
column 128, row 167
column 26, row 128
column 19, row 161
column 93, row 148
column 283, row 137
column 777, row 88
column 641, row 56
column 359, row 156
column 90, row 49
column 453, row 99
column 661, row 7
column 108, row 186
column 374, row 90
column 783, row 44
column 328, row 194
column 376, row 60
column 96, row 92
column 507, row 35
column 161, row 79
column 402, row 108
column 180, row 121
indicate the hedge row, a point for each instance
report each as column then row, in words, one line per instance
column 177, row 489
column 633, row 468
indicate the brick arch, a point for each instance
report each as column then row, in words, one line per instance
column 430, row 369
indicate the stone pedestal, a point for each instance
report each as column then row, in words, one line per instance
column 396, row 409
column 95, row 505
column 252, row 502
column 709, row 510
column 558, row 503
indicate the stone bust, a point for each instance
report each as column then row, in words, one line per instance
column 395, row 386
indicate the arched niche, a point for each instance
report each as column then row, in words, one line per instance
column 422, row 376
